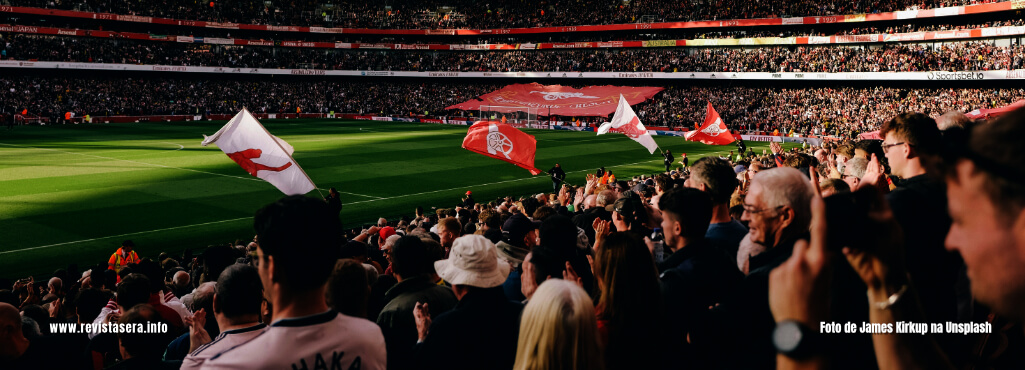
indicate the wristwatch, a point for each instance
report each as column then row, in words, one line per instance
column 794, row 340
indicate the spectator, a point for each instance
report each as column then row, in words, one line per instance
column 714, row 176
column 180, row 284
column 777, row 208
column 203, row 300
column 686, row 215
column 519, row 237
column 141, row 350
column 19, row 352
column 299, row 240
column 629, row 308
column 912, row 143
column 449, row 229
column 559, row 330
column 853, row 171
column 629, row 214
column 236, row 308
column 833, row 186
column 412, row 266
column 348, row 289
column 476, row 274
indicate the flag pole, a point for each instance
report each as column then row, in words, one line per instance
column 286, row 152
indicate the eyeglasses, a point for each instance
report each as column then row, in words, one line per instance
column 752, row 210
column 886, row 147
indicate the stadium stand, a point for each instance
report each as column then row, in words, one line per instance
column 954, row 56
column 474, row 14
column 810, row 111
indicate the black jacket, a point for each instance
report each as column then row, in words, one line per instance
column 483, row 328
column 396, row 318
column 738, row 332
column 695, row 278
column 557, row 174
column 920, row 207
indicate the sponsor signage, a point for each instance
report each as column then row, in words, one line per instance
column 308, row 72
column 658, row 43
column 765, row 138
column 233, row 26
column 956, row 76
column 171, row 68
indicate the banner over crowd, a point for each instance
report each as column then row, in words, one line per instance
column 561, row 100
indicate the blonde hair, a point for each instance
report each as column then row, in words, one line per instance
column 559, row 330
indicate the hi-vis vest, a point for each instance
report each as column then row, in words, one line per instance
column 118, row 261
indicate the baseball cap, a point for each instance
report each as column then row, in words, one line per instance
column 519, row 225
column 473, row 261
column 468, row 192
column 386, row 232
column 628, row 204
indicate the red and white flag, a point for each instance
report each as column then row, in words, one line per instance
column 501, row 141
column 713, row 131
column 261, row 154
column 626, row 122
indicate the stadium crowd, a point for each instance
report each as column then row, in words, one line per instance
column 732, row 262
column 431, row 14
column 807, row 111
column 671, row 34
column 831, row 111
column 955, row 56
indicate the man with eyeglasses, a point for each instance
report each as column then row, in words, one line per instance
column 853, row 171
column 778, row 211
column 911, row 143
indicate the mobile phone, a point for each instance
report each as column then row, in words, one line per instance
column 847, row 217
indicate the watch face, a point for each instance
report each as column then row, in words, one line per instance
column 787, row 336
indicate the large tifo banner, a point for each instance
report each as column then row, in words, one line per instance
column 561, row 100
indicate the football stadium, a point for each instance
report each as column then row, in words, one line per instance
column 585, row 184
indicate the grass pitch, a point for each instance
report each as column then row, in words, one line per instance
column 71, row 194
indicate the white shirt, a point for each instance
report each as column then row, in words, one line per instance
column 327, row 340
column 225, row 340
column 171, row 301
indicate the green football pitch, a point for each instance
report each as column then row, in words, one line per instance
column 71, row 194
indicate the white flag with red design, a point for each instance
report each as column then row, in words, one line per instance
column 261, row 154
column 626, row 122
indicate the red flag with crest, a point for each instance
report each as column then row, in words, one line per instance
column 504, row 142
column 713, row 131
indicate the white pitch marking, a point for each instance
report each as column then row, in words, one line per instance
column 123, row 235
column 125, row 160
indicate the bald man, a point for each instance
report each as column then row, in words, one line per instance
column 17, row 352
column 13, row 343
column 181, row 283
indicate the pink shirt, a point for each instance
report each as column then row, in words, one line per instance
column 327, row 340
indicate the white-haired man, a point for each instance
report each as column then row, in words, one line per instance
column 778, row 211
